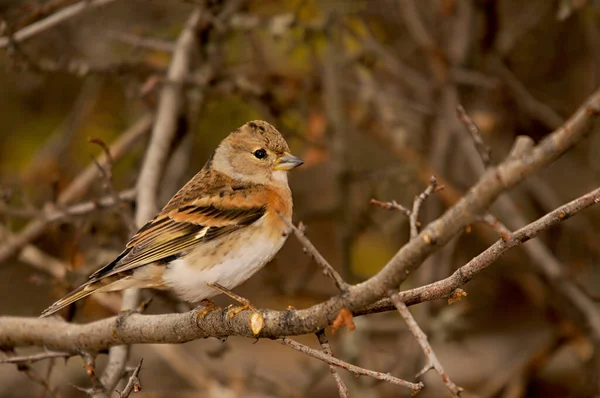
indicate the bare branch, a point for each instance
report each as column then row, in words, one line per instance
column 312, row 251
column 334, row 99
column 85, row 208
column 413, row 215
column 52, row 20
column 142, row 42
column 29, row 359
column 134, row 384
column 421, row 338
column 89, row 364
column 42, row 381
column 106, row 174
column 393, row 205
column 537, row 109
column 416, row 28
column 342, row 389
column 485, row 152
column 497, row 226
column 79, row 209
column 419, row 199
column 415, row 387
column 169, row 108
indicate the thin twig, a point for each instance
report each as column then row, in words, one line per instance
column 485, row 152
column 342, row 389
column 419, row 199
column 36, row 377
column 79, row 209
column 106, row 174
column 29, row 359
column 51, row 21
column 393, row 205
column 169, row 108
column 497, row 225
column 312, row 251
column 413, row 215
column 89, row 364
column 535, row 108
column 415, row 387
column 549, row 199
column 138, row 41
column 421, row 338
column 334, row 101
column 84, row 208
column 134, row 384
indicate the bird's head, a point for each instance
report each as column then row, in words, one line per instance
column 256, row 152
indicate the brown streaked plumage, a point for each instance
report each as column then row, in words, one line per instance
column 220, row 228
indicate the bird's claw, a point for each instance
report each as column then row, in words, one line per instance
column 207, row 306
column 233, row 311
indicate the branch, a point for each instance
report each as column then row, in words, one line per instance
column 29, row 359
column 107, row 176
column 312, row 251
column 51, row 21
column 169, row 108
column 134, row 384
column 334, row 101
column 485, row 152
column 419, row 199
column 502, row 230
column 342, row 389
column 413, row 215
column 79, row 209
column 416, row 28
column 415, row 387
column 523, row 97
column 84, row 208
column 421, row 338
column 393, row 205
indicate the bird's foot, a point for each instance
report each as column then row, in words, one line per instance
column 233, row 311
column 206, row 307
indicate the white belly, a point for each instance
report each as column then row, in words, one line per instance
column 229, row 262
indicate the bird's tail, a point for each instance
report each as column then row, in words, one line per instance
column 77, row 294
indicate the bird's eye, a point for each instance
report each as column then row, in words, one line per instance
column 260, row 154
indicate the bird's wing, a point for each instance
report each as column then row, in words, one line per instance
column 189, row 224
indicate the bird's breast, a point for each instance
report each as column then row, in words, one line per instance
column 228, row 261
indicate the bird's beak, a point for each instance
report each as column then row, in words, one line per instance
column 287, row 162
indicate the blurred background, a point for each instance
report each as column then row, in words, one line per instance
column 366, row 92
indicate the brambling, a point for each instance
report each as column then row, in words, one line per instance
column 219, row 229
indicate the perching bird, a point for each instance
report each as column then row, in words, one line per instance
column 219, row 229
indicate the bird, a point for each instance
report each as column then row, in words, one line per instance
column 217, row 231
